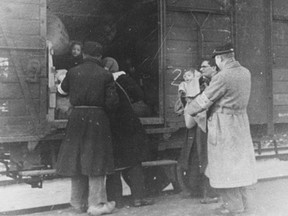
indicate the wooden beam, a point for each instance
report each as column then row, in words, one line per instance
column 234, row 28
column 37, row 172
column 280, row 17
column 162, row 57
column 22, row 48
column 44, row 77
column 159, row 163
column 268, row 64
column 198, row 10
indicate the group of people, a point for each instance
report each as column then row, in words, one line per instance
column 104, row 137
column 223, row 150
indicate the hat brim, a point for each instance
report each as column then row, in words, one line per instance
column 215, row 53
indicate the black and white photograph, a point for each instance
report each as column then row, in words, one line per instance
column 144, row 107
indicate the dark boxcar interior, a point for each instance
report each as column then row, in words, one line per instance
column 128, row 31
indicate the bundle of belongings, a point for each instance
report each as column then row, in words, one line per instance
column 63, row 106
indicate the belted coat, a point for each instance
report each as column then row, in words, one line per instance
column 231, row 159
column 87, row 146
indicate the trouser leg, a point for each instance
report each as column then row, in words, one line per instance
column 79, row 191
column 194, row 175
column 134, row 177
column 114, row 187
column 97, row 191
column 232, row 199
column 208, row 191
column 248, row 198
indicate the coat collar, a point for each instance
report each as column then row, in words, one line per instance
column 231, row 64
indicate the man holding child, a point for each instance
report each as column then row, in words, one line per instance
column 231, row 159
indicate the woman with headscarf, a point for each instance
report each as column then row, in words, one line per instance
column 129, row 139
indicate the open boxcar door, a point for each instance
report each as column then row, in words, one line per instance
column 147, row 52
column 23, row 75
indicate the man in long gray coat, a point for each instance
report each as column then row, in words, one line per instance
column 231, row 159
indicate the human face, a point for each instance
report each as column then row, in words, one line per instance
column 76, row 50
column 188, row 76
column 206, row 69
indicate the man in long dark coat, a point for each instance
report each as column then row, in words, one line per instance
column 86, row 152
column 231, row 159
column 194, row 153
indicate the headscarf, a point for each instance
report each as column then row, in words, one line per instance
column 110, row 64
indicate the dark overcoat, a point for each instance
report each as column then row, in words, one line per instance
column 87, row 147
column 129, row 137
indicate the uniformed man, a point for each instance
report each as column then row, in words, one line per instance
column 231, row 159
column 86, row 152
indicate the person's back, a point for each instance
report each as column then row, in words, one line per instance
column 88, row 81
column 237, row 82
column 86, row 152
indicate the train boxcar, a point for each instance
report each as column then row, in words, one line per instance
column 154, row 40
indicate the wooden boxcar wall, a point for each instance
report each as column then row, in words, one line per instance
column 192, row 29
column 23, row 80
column 243, row 22
column 250, row 50
column 279, row 60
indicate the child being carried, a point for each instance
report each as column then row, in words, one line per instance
column 187, row 91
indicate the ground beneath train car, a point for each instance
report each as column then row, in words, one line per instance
column 271, row 200
column 271, row 194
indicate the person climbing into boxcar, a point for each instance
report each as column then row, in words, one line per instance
column 86, row 152
column 231, row 159
column 130, row 145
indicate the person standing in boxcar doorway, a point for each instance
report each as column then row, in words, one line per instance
column 86, row 152
column 130, row 142
column 231, row 159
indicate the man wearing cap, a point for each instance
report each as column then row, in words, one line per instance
column 231, row 159
column 86, row 152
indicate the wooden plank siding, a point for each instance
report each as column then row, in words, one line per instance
column 280, row 74
column 22, row 2
column 251, row 52
column 203, row 4
column 280, row 114
column 22, row 64
column 20, row 11
column 280, row 7
column 190, row 35
column 13, row 108
column 280, row 61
